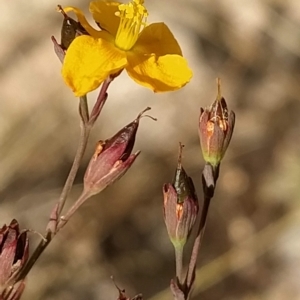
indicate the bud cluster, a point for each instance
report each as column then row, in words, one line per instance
column 216, row 124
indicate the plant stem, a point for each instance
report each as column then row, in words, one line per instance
column 65, row 218
column 84, row 135
column 210, row 176
column 33, row 258
column 101, row 99
column 84, row 109
column 179, row 263
column 197, row 244
column 86, row 124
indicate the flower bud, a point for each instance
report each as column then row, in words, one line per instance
column 112, row 158
column 13, row 255
column 70, row 29
column 216, row 126
column 180, row 206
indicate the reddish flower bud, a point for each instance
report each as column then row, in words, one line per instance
column 13, row 255
column 180, row 206
column 112, row 158
column 216, row 126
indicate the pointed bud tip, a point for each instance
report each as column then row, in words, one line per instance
column 143, row 111
column 141, row 115
column 182, row 183
column 180, row 150
column 61, row 10
column 219, row 95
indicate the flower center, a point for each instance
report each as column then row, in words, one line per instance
column 133, row 18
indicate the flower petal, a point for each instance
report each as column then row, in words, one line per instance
column 89, row 61
column 161, row 74
column 157, row 38
column 104, row 14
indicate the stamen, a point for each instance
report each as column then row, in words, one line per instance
column 132, row 20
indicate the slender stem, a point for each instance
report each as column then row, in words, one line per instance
column 86, row 125
column 84, row 136
column 100, row 100
column 69, row 182
column 65, row 218
column 197, row 244
column 33, row 258
column 209, row 180
column 84, row 109
column 179, row 263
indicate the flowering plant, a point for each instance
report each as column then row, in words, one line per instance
column 93, row 58
column 150, row 54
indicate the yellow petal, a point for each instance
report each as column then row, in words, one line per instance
column 161, row 74
column 89, row 61
column 82, row 20
column 158, row 39
column 104, row 14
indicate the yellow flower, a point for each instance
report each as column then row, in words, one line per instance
column 149, row 53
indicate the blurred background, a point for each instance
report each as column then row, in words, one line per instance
column 251, row 247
